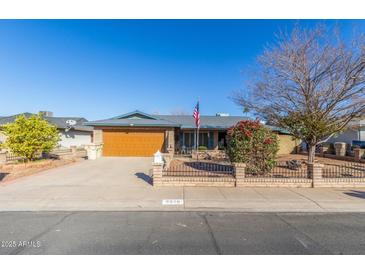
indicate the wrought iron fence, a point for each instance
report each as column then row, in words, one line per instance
column 281, row 170
column 344, row 170
column 199, row 169
column 287, row 169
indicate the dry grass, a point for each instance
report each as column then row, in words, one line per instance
column 13, row 171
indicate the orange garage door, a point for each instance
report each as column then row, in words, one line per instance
column 132, row 142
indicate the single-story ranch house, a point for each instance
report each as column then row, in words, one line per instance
column 72, row 130
column 141, row 134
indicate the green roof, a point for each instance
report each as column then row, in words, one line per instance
column 140, row 119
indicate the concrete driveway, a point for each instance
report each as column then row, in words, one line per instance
column 103, row 184
column 124, row 184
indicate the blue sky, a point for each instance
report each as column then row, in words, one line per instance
column 103, row 68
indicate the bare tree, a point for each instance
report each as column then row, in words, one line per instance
column 310, row 82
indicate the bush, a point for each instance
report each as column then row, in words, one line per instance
column 202, row 148
column 252, row 143
column 29, row 137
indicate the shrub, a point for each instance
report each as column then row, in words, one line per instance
column 202, row 148
column 28, row 137
column 252, row 143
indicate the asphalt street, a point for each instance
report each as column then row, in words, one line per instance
column 181, row 233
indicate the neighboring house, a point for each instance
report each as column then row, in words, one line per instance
column 141, row 134
column 355, row 131
column 72, row 130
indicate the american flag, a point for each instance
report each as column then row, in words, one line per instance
column 196, row 115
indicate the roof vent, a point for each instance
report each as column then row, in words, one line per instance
column 222, row 114
column 46, row 113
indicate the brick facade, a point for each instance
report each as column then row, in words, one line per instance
column 274, row 182
column 193, row 181
column 341, row 182
column 97, row 136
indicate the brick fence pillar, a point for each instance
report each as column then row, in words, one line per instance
column 157, row 173
column 358, row 152
column 239, row 172
column 73, row 151
column 3, row 158
column 315, row 172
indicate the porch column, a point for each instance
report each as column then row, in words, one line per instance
column 171, row 141
column 215, row 140
column 194, row 139
column 183, row 138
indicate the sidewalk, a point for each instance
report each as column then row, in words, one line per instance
column 276, row 199
column 194, row 199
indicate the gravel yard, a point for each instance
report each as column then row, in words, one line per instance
column 12, row 171
column 332, row 167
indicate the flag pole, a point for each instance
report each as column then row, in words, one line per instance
column 197, row 144
column 197, row 133
column 196, row 116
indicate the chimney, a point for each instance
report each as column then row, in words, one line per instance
column 46, row 113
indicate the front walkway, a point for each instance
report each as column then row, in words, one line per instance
column 124, row 184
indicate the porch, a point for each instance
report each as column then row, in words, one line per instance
column 185, row 140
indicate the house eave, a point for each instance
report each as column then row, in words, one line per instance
column 205, row 127
column 130, row 125
column 133, row 113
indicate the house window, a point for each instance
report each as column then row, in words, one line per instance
column 189, row 139
column 203, row 139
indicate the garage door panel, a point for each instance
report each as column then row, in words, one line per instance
column 132, row 143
